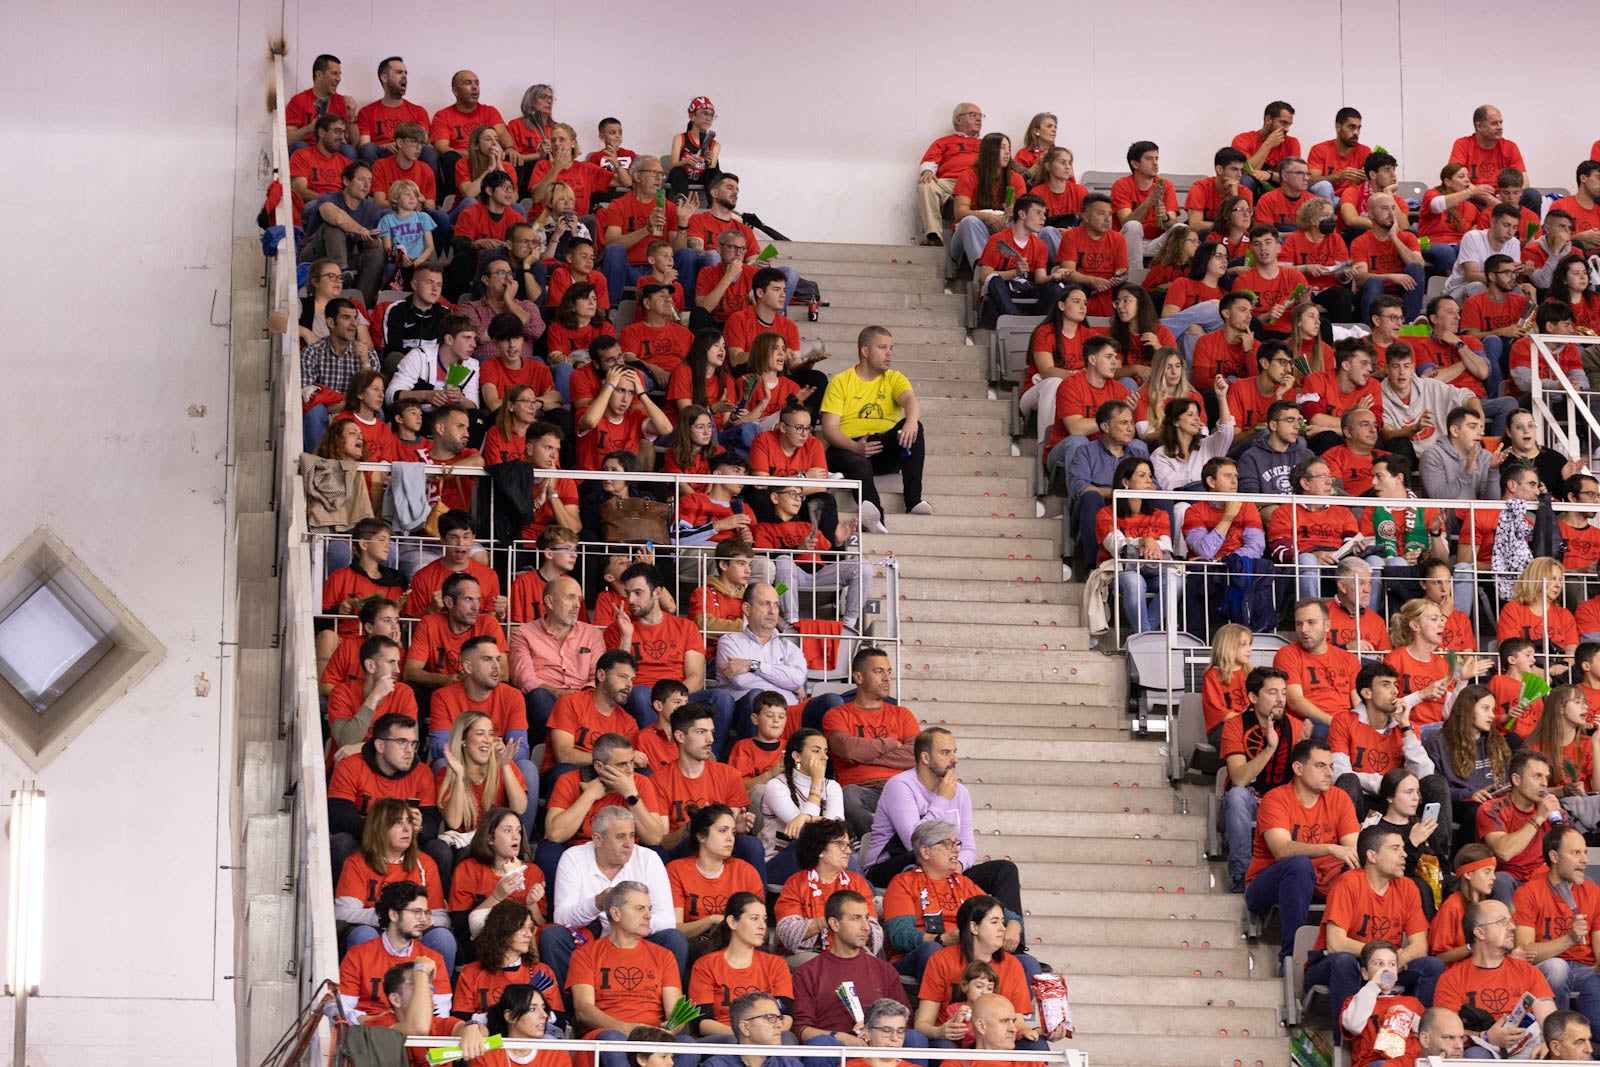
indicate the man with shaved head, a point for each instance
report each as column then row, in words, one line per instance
column 1441, row 1034
column 452, row 127
column 554, row 654
column 1392, row 258
column 945, row 161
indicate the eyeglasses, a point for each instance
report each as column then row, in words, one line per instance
column 892, row 1031
column 771, row 1018
column 952, row 843
column 403, row 742
column 840, row 842
column 1507, row 921
column 415, row 913
column 792, row 494
column 505, row 273
column 325, row 275
column 797, row 427
column 972, row 114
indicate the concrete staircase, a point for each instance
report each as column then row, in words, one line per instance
column 1119, row 896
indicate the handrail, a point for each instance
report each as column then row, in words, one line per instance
column 1071, row 1057
column 1576, row 404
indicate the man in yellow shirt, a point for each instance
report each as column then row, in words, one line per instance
column 871, row 423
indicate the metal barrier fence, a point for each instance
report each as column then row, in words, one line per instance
column 1192, row 590
column 840, row 1053
column 875, row 575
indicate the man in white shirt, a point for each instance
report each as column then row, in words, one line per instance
column 586, row 874
column 1467, row 277
column 758, row 658
column 1419, row 406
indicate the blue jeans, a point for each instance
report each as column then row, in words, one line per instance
column 1567, row 978
column 539, row 703
column 1290, row 884
column 1143, row 599
column 1308, row 580
column 1239, row 806
column 1497, row 409
column 620, row 273
column 967, row 242
column 562, row 373
column 1372, row 288
column 1204, row 315
column 1341, row 973
column 1440, row 259
column 313, row 425
column 721, row 702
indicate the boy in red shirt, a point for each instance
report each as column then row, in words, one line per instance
column 578, row 267
column 1144, row 204
column 1276, row 287
column 1015, row 263
column 1326, row 395
column 1092, row 256
column 1226, row 352
column 379, row 616
column 759, row 759
column 613, row 424
column 1206, row 195
column 655, row 339
column 1081, row 396
column 1375, row 1012
column 459, row 537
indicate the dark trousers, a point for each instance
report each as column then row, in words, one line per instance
column 1290, row 884
column 908, row 461
column 1004, row 295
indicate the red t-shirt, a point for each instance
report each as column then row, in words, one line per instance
column 1520, row 620
column 471, row 883
column 478, row 989
column 1365, row 916
column 606, row 437
column 1416, row 675
column 751, row 758
column 1097, row 257
column 477, row 223
column 586, row 179
column 377, row 120
column 1351, row 468
column 941, row 979
column 346, row 699
column 1330, row 818
column 885, row 722
column 1567, row 358
column 301, row 110
column 1537, row 907
column 1204, row 515
column 1325, row 159
column 354, row 780
column 1126, row 195
column 1003, row 253
column 628, row 984
column 660, row 649
column 1249, row 404
column 565, row 793
column 1295, row 529
column 1184, row 293
column 456, row 126
column 1502, row 815
column 718, row 784
column 1326, row 679
column 1342, row 629
column 629, row 213
column 1495, row 990
column 1480, row 313
column 701, row 897
column 1152, row 523
column 1320, row 395
column 743, row 327
column 1219, row 700
column 735, row 298
column 1270, row 292
column 321, row 171
column 438, row 647
column 1298, row 250
column 360, row 882
column 1380, row 256
column 658, row 747
column 1250, row 143
column 1215, row 356
column 663, row 346
column 709, row 230
column 464, row 171
column 714, row 983
column 1206, row 198
column 431, row 579
column 1275, row 209
column 1077, row 397
column 561, row 280
column 768, row 457
column 559, row 339
column 1445, row 227
column 1369, row 751
column 347, row 582
column 967, row 185
column 387, row 170
column 1397, row 1015
column 363, row 967
column 577, row 715
column 504, row 706
column 1069, row 357
column 1485, row 164
column 1067, row 202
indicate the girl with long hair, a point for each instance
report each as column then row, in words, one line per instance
column 1134, row 325
column 1189, row 308
column 390, row 853
column 1222, row 693
column 980, row 199
column 524, row 1012
column 735, row 957
column 710, row 877
column 1535, row 612
column 1168, row 381
column 507, row 955
column 325, row 282
column 1172, row 262
column 1399, row 801
column 1138, row 535
column 1447, row 214
column 1476, row 880
column 485, row 153
column 1564, row 736
column 1471, row 754
column 981, row 927
column 801, row 794
column 495, row 869
column 1417, row 633
column 478, row 774
column 1572, row 287
column 1305, row 337
column 1055, row 349
column 1185, row 447
column 1232, row 232
column 694, row 442
column 1052, row 181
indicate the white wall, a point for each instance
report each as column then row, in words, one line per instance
column 824, row 108
column 117, row 159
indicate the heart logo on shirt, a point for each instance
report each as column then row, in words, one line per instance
column 655, row 651
column 1493, row 1001
column 628, row 977
column 713, row 905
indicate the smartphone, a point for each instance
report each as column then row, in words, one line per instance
column 1430, row 811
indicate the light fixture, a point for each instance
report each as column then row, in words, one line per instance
column 25, row 909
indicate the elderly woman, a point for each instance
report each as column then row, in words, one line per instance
column 920, row 904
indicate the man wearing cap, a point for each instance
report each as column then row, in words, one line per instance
column 655, row 338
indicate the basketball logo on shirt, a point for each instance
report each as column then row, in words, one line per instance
column 1380, row 928
column 871, row 729
column 627, row 977
column 1493, row 1001
column 1556, row 926
column 1372, row 761
column 654, row 651
column 731, row 993
column 1311, row 833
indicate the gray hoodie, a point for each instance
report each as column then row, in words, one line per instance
column 1263, row 469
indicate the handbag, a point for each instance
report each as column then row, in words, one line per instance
column 635, row 520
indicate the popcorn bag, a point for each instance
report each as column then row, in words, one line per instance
column 1054, row 1010
column 1393, row 1031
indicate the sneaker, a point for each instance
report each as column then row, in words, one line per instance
column 872, row 518
column 932, row 240
column 922, row 508
column 1236, row 885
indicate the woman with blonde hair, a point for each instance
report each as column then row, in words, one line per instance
column 1417, row 633
column 558, row 221
column 1316, row 250
column 1040, row 138
column 1305, row 337
column 1169, row 380
column 1535, row 612
column 390, row 853
column 478, row 774
column 1222, row 692
column 1562, row 735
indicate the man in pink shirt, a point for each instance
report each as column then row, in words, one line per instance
column 554, row 654
column 943, row 162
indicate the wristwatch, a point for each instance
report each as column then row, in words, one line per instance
column 631, row 801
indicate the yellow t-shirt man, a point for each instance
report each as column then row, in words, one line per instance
column 865, row 408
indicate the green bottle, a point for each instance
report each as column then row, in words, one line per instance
column 1011, row 196
column 444, row 1054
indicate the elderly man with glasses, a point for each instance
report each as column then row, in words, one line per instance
column 945, row 161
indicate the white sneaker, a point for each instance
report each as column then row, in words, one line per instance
column 922, row 508
column 872, row 518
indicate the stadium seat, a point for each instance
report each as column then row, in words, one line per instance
column 1159, row 664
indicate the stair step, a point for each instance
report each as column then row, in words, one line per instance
column 1046, row 616
column 1118, row 851
column 836, row 334
column 979, row 405
column 881, row 278
column 1218, row 994
column 979, row 590
column 1039, row 570
column 920, row 687
column 1000, row 544
column 1130, row 877
column 1010, row 666
column 934, row 388
column 946, row 505
column 1010, row 716
column 1162, row 825
column 1233, row 962
column 1030, row 792
column 1107, row 904
column 951, row 316
column 997, row 636
column 988, row 525
column 830, row 251
column 921, row 369
column 844, row 302
column 1123, row 751
column 1131, row 778
column 1136, row 933
column 1157, row 1050
column 1163, row 1017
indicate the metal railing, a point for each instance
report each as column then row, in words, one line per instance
column 1573, row 429
column 835, row 1053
